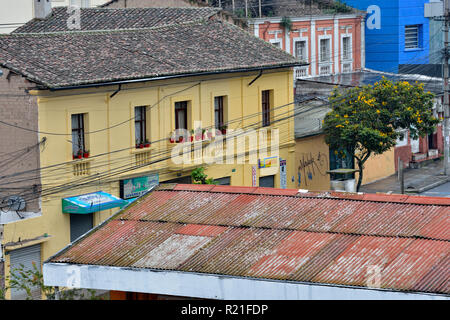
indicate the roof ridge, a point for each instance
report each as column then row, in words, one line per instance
column 106, row 31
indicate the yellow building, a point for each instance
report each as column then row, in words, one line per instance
column 313, row 161
column 109, row 102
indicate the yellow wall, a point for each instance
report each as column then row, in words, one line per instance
column 312, row 162
column 378, row 167
column 103, row 111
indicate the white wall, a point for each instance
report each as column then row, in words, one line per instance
column 80, row 3
column 14, row 13
column 208, row 286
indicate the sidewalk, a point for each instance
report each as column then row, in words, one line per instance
column 416, row 180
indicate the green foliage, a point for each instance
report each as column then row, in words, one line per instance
column 366, row 119
column 199, row 177
column 286, row 22
column 333, row 7
column 31, row 279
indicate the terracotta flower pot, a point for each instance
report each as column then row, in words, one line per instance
column 86, row 155
column 147, row 145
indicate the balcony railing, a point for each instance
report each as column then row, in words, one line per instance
column 301, row 72
column 347, row 67
column 325, row 69
column 81, row 168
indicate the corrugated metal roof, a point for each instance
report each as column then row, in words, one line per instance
column 340, row 239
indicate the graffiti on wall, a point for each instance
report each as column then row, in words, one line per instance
column 311, row 167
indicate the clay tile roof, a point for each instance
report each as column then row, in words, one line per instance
column 65, row 59
column 115, row 19
column 325, row 238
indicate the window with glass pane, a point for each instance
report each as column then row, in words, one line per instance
column 300, row 50
column 78, row 145
column 218, row 112
column 325, row 50
column 266, row 108
column 412, row 37
column 181, row 115
column 140, row 124
column 346, row 48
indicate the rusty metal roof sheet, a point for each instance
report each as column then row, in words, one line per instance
column 341, row 239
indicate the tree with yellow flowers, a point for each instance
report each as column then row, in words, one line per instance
column 366, row 120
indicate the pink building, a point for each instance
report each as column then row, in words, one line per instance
column 331, row 44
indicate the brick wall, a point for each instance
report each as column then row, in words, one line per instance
column 405, row 155
column 19, row 150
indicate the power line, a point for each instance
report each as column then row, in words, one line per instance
column 54, row 167
column 94, row 179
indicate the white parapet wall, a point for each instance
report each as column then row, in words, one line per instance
column 209, row 286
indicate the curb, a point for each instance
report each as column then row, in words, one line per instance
column 428, row 187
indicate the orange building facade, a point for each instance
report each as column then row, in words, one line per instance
column 331, row 44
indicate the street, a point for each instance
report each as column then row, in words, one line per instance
column 440, row 191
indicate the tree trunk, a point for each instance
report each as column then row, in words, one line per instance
column 361, row 168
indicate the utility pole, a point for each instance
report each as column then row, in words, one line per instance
column 246, row 9
column 260, row 9
column 446, row 88
column 401, row 176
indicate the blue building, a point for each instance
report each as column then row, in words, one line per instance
column 396, row 33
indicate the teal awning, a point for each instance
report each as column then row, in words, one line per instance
column 91, row 202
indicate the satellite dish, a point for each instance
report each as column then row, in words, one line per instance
column 15, row 203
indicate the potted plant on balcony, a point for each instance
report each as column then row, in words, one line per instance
column 80, row 154
column 139, row 144
column 209, row 134
column 146, row 143
column 86, row 154
column 198, row 135
column 172, row 138
column 223, row 129
column 180, row 139
column 192, row 136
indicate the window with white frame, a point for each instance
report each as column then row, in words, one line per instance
column 412, row 37
column 301, row 50
column 277, row 44
column 325, row 50
column 81, row 3
column 346, row 48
